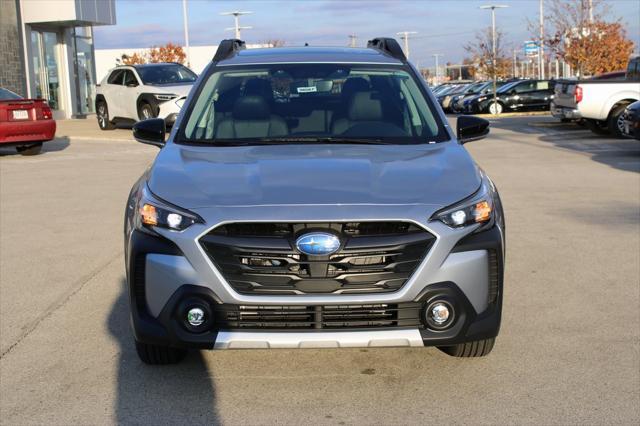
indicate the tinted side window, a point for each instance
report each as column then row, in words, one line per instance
column 130, row 78
column 525, row 87
column 542, row 85
column 116, row 77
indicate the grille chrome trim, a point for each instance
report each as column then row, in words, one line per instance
column 375, row 257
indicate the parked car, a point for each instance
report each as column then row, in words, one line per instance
column 447, row 100
column 25, row 123
column 457, row 100
column 600, row 103
column 348, row 214
column 466, row 90
column 520, row 95
column 137, row 92
column 564, row 95
column 463, row 103
column 631, row 121
column 446, row 89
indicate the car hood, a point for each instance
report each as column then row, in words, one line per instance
column 198, row 176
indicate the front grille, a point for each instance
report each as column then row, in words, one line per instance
column 318, row 317
column 260, row 258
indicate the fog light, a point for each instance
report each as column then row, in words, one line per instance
column 439, row 313
column 195, row 317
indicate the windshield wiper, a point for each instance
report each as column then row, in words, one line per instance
column 325, row 140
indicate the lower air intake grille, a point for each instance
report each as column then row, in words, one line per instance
column 261, row 258
column 318, row 317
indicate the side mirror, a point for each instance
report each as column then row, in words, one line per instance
column 470, row 128
column 512, row 92
column 151, row 131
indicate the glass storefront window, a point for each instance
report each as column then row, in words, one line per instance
column 84, row 66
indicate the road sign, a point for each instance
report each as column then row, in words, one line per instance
column 530, row 48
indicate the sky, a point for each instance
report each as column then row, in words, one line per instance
column 442, row 26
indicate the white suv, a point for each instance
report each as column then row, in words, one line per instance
column 138, row 92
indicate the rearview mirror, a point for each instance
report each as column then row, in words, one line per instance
column 150, row 132
column 470, row 128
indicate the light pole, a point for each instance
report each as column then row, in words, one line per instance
column 541, row 44
column 404, row 35
column 437, row 55
column 186, row 30
column 236, row 18
column 493, row 8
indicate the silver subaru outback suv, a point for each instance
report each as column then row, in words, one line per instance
column 313, row 198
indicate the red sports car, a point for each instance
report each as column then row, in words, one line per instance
column 25, row 123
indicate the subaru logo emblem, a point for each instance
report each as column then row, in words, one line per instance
column 318, row 244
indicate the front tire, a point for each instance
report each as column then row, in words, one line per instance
column 470, row 349
column 102, row 113
column 495, row 108
column 145, row 111
column 159, row 355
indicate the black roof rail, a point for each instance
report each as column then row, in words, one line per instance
column 389, row 46
column 228, row 48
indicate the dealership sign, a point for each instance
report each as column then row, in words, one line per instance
column 530, row 48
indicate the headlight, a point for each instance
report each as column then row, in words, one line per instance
column 481, row 98
column 165, row 96
column 476, row 209
column 152, row 212
column 180, row 102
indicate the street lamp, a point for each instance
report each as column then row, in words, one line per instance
column 437, row 55
column 493, row 8
column 186, row 30
column 404, row 35
column 236, row 18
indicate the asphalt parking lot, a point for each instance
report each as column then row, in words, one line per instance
column 568, row 352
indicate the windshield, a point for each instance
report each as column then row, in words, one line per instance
column 166, row 74
column 322, row 103
column 477, row 88
column 8, row 95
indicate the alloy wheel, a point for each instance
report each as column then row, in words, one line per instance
column 102, row 119
column 495, row 108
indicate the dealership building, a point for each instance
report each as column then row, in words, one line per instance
column 46, row 49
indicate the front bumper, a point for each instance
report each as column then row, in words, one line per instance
column 165, row 273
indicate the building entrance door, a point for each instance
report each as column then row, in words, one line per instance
column 45, row 57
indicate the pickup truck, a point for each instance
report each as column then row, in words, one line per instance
column 600, row 103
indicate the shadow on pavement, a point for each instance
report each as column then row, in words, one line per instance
column 621, row 154
column 58, row 144
column 173, row 394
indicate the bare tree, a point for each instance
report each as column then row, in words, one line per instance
column 482, row 54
